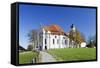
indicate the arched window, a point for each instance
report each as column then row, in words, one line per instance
column 53, row 41
column 55, row 36
column 65, row 41
column 45, row 41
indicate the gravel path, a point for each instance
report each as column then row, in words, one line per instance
column 45, row 57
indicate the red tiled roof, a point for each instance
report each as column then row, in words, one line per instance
column 55, row 30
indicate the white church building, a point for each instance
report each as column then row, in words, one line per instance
column 53, row 37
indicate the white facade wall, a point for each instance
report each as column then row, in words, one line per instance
column 83, row 44
column 43, row 45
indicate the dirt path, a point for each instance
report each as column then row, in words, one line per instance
column 46, row 57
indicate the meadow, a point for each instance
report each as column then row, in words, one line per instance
column 27, row 57
column 73, row 54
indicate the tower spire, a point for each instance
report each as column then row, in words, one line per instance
column 72, row 26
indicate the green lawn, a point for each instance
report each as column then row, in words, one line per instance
column 26, row 57
column 74, row 54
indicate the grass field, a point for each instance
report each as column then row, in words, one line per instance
column 74, row 54
column 26, row 57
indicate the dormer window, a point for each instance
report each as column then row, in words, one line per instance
column 63, row 37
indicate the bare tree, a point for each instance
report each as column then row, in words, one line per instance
column 92, row 41
column 33, row 37
column 30, row 47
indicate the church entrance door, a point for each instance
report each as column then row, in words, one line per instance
column 45, row 47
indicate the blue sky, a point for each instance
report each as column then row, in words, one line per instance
column 30, row 17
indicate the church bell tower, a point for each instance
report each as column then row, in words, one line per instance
column 73, row 28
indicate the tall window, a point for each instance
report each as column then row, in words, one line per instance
column 45, row 41
column 65, row 41
column 53, row 41
column 55, row 36
column 57, row 41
